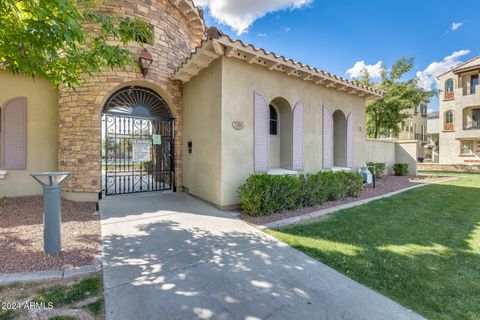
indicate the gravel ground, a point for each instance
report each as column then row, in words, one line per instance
column 21, row 235
column 384, row 185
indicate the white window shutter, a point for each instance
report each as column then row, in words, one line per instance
column 14, row 134
column 298, row 124
column 327, row 138
column 261, row 133
column 350, row 141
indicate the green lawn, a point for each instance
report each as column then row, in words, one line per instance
column 421, row 248
column 62, row 294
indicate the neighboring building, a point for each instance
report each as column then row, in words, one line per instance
column 460, row 114
column 210, row 112
column 433, row 136
column 415, row 127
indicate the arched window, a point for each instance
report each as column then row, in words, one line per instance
column 273, row 121
column 448, row 121
column 449, row 85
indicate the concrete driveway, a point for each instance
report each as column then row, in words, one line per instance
column 171, row 256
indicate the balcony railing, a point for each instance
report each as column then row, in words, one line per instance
column 469, row 90
column 421, row 137
column 471, row 124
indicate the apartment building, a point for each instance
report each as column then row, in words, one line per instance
column 459, row 117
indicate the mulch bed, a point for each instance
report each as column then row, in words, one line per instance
column 21, row 235
column 384, row 185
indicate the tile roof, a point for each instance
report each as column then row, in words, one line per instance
column 218, row 44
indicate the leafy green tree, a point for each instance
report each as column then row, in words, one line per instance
column 60, row 40
column 385, row 115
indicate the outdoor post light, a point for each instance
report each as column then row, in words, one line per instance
column 144, row 61
column 52, row 183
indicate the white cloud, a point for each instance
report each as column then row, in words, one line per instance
column 374, row 70
column 456, row 25
column 240, row 14
column 427, row 77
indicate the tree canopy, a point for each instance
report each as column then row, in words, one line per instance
column 385, row 115
column 60, row 40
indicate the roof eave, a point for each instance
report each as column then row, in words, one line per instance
column 224, row 46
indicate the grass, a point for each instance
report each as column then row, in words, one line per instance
column 61, row 295
column 7, row 314
column 421, row 248
column 96, row 307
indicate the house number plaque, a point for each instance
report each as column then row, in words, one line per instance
column 238, row 125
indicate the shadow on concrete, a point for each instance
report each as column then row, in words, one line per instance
column 179, row 258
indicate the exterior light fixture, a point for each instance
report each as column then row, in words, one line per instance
column 144, row 61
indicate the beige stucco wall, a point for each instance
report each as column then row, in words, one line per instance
column 407, row 152
column 380, row 151
column 202, row 126
column 240, row 80
column 42, row 106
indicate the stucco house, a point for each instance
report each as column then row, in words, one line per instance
column 459, row 134
column 209, row 112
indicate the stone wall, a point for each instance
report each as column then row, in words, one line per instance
column 80, row 110
column 448, row 167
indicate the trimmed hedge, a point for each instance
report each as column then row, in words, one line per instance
column 379, row 168
column 400, row 169
column 264, row 194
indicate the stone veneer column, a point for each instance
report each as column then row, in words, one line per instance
column 80, row 110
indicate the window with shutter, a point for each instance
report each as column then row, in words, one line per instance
column 14, row 134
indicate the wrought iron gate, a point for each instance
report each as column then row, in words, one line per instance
column 138, row 147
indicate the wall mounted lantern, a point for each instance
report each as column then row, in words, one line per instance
column 144, row 61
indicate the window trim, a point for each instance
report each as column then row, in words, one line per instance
column 446, row 85
column 470, row 150
column 276, row 121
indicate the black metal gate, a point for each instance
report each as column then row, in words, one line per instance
column 138, row 148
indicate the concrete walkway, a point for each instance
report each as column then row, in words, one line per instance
column 171, row 256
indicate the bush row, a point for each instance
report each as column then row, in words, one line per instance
column 379, row 168
column 263, row 194
column 400, row 169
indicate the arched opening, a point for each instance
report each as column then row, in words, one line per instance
column 281, row 134
column 137, row 142
column 339, row 139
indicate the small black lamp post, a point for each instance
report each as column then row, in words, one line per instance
column 144, row 61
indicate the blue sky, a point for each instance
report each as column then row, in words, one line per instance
column 334, row 35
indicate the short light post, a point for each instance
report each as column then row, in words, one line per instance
column 52, row 183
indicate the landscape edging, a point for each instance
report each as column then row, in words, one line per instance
column 36, row 276
column 317, row 214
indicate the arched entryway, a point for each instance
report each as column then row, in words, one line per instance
column 137, row 142
column 339, row 139
column 281, row 125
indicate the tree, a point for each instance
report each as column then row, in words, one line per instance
column 386, row 114
column 60, row 40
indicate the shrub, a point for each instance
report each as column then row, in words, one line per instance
column 263, row 194
column 400, row 169
column 379, row 168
